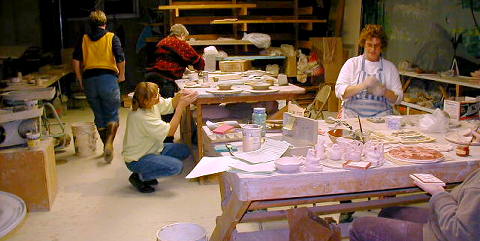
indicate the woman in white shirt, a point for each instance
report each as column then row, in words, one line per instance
column 369, row 85
column 144, row 152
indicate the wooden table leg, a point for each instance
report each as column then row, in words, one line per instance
column 231, row 216
column 186, row 127
column 199, row 131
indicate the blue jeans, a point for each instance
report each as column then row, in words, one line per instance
column 103, row 95
column 167, row 163
column 392, row 224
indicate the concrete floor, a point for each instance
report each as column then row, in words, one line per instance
column 95, row 201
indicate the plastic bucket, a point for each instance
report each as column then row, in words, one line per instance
column 182, row 232
column 84, row 138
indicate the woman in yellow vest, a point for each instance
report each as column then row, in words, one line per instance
column 99, row 64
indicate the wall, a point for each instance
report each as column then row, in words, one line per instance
column 420, row 31
column 20, row 25
column 351, row 26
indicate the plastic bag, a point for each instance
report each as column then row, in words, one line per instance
column 260, row 40
column 435, row 122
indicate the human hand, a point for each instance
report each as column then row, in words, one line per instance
column 370, row 81
column 188, row 97
column 429, row 187
column 121, row 78
column 378, row 90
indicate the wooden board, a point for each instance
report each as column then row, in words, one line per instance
column 270, row 21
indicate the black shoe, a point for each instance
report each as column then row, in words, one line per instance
column 151, row 182
column 168, row 139
column 139, row 185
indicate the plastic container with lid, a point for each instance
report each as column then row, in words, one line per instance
column 259, row 117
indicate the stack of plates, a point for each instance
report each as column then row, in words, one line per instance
column 12, row 212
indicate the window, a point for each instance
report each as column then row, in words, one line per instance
column 79, row 10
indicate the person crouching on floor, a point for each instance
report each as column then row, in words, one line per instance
column 144, row 152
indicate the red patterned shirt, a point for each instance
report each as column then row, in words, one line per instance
column 173, row 55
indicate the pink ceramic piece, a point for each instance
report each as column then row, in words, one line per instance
column 374, row 153
column 335, row 152
column 320, row 150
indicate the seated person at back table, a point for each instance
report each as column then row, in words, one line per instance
column 369, row 84
column 144, row 152
column 453, row 216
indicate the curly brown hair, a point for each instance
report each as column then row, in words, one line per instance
column 373, row 31
column 145, row 95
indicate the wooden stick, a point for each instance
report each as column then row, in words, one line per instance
column 361, row 130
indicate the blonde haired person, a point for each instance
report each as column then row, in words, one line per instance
column 172, row 57
column 99, row 64
column 144, row 152
column 369, row 85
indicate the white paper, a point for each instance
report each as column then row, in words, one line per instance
column 269, row 151
column 210, row 165
column 268, row 167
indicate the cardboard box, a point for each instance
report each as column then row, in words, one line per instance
column 462, row 108
column 30, row 174
column 235, row 65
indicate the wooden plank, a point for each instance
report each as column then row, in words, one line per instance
column 199, row 20
column 219, row 42
column 265, row 235
column 305, row 11
column 227, row 222
column 199, row 2
column 338, row 208
column 274, row 4
column 206, row 6
column 269, row 21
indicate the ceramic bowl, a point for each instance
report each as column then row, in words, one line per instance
column 261, row 86
column 336, row 133
column 288, row 164
column 224, row 86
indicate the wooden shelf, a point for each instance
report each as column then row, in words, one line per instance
column 417, row 107
column 178, row 7
column 457, row 80
column 257, row 57
column 219, row 42
column 269, row 21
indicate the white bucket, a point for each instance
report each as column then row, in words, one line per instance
column 84, row 138
column 182, row 232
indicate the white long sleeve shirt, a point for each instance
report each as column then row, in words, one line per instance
column 146, row 131
column 350, row 72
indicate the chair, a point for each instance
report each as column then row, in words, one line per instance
column 314, row 109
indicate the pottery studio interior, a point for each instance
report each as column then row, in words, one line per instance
column 178, row 120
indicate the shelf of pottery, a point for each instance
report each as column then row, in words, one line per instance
column 458, row 81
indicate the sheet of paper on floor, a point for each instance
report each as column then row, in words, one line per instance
column 269, row 151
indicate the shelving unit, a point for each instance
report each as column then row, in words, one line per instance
column 300, row 17
column 458, row 81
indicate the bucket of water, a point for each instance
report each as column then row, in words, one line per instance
column 84, row 138
column 182, row 232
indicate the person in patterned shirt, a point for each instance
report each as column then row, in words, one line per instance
column 173, row 55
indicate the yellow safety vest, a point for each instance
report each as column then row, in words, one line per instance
column 98, row 54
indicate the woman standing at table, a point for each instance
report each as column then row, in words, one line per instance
column 173, row 56
column 368, row 84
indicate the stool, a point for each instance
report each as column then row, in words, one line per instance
column 78, row 98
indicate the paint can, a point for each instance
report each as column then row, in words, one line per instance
column 84, row 138
column 252, row 136
column 33, row 140
column 182, row 232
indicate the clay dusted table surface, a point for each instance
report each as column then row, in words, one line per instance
column 284, row 93
column 243, row 195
